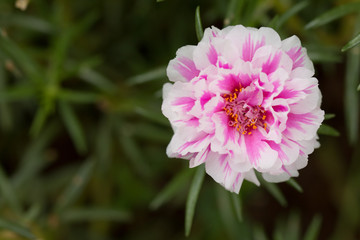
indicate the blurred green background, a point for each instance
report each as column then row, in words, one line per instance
column 82, row 137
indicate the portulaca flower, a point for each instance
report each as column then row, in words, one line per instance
column 243, row 100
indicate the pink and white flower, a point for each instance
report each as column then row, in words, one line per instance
column 243, row 100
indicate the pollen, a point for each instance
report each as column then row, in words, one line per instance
column 243, row 117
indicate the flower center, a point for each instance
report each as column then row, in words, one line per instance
column 242, row 116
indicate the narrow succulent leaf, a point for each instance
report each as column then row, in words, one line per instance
column 6, row 117
column 73, row 126
column 132, row 150
column 193, row 197
column 78, row 96
column 62, row 43
column 351, row 96
column 236, row 200
column 352, row 43
column 8, row 192
column 334, row 14
column 295, row 185
column 158, row 73
column 17, row 93
column 259, row 233
column 95, row 214
column 198, row 26
column 20, row 57
column 274, row 190
column 292, row 229
column 323, row 54
column 228, row 216
column 32, row 161
column 278, row 234
column 281, row 20
column 151, row 115
column 18, row 229
column 328, row 130
column 226, row 212
column 329, row 116
column 104, row 143
column 33, row 212
column 234, row 12
column 30, row 22
column 76, row 186
column 177, row 184
column 41, row 115
column 152, row 132
column 313, row 230
column 98, row 80
column 248, row 12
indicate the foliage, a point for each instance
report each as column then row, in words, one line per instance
column 82, row 137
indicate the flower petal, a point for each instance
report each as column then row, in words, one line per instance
column 182, row 68
column 298, row 54
column 260, row 154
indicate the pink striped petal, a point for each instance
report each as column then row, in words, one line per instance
column 182, row 68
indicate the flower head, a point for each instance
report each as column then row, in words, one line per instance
column 243, row 100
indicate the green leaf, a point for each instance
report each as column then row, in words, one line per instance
column 352, row 43
column 279, row 22
column 192, row 198
column 73, row 126
column 274, row 190
column 351, row 96
column 132, row 150
column 198, row 26
column 236, row 200
column 292, row 229
column 152, row 115
column 329, row 116
column 18, row 92
column 259, row 233
column 21, row 58
column 95, row 78
column 6, row 118
column 78, row 96
column 30, row 22
column 62, row 43
column 33, row 159
column 313, row 230
column 177, row 184
column 226, row 212
column 328, row 130
column 41, row 115
column 18, row 229
column 158, row 73
column 323, row 54
column 234, row 12
column 295, row 185
column 76, row 186
column 94, row 214
column 249, row 13
column 358, row 88
column 33, row 212
column 151, row 132
column 104, row 144
column 334, row 14
column 8, row 192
